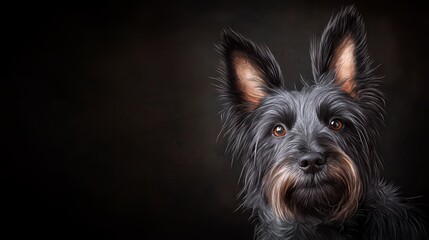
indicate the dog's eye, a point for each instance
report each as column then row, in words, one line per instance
column 279, row 131
column 336, row 124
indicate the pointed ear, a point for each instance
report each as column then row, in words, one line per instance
column 342, row 51
column 249, row 72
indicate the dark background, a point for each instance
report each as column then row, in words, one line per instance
column 112, row 119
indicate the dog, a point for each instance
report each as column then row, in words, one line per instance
column 311, row 157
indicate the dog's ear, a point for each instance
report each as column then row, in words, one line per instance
column 342, row 51
column 249, row 71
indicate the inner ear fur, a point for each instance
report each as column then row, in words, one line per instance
column 343, row 63
column 250, row 79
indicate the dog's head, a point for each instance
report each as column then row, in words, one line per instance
column 307, row 154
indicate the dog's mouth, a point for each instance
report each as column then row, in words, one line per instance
column 315, row 181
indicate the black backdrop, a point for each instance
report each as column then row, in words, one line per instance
column 112, row 119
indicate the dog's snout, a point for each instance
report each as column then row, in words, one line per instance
column 311, row 162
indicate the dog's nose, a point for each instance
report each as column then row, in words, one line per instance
column 311, row 162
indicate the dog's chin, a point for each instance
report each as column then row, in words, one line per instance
column 315, row 201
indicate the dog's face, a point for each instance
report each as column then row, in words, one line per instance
column 300, row 137
column 307, row 154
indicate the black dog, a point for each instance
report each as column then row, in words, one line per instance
column 311, row 157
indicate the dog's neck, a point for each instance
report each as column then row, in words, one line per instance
column 271, row 228
column 380, row 202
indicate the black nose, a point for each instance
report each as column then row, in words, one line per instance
column 311, row 162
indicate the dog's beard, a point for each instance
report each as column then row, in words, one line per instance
column 332, row 194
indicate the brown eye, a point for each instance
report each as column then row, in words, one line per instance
column 279, row 131
column 336, row 124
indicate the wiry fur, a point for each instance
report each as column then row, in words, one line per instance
column 346, row 206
